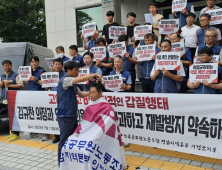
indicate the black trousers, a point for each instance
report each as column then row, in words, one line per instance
column 147, row 85
column 67, row 126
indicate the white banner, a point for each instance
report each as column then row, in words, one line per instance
column 215, row 59
column 50, row 79
column 99, row 53
column 179, row 47
column 117, row 49
column 113, row 82
column 179, row 122
column 216, row 16
column 168, row 26
column 88, row 29
column 204, row 71
column 179, row 5
column 141, row 31
column 145, row 52
column 116, row 31
column 168, row 60
column 25, row 72
column 83, row 72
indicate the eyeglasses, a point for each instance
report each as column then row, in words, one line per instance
column 209, row 36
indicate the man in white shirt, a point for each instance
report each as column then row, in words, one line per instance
column 188, row 32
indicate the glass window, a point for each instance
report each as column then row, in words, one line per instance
column 87, row 15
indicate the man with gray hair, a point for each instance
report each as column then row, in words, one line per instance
column 205, row 24
column 210, row 39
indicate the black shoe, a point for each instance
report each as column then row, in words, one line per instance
column 56, row 140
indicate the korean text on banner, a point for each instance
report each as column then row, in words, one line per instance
column 204, row 71
column 216, row 16
column 88, row 29
column 49, row 62
column 155, row 120
column 117, row 49
column 50, row 79
column 99, row 53
column 148, row 18
column 97, row 138
column 141, row 31
column 113, row 82
column 168, row 26
column 145, row 52
column 168, row 60
column 83, row 72
column 116, row 31
column 179, row 47
column 179, row 5
column 25, row 73
column 215, row 59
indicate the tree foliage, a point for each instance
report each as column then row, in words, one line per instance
column 82, row 18
column 23, row 21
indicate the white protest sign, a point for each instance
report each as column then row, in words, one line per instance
column 117, row 49
column 50, row 79
column 168, row 26
column 24, row 73
column 49, row 62
column 216, row 16
column 116, row 31
column 204, row 71
column 179, row 5
column 168, row 60
column 141, row 31
column 179, row 47
column 113, row 82
column 83, row 72
column 215, row 59
column 99, row 53
column 88, row 29
column 145, row 52
column 148, row 18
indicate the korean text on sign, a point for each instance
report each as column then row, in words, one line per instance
column 168, row 60
column 117, row 49
column 145, row 52
column 24, row 73
column 99, row 53
column 50, row 79
column 141, row 31
column 116, row 31
column 179, row 5
column 168, row 26
column 88, row 29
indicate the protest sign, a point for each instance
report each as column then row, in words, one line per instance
column 83, row 72
column 179, row 5
column 149, row 18
column 149, row 119
column 88, row 29
column 215, row 59
column 24, row 73
column 113, row 82
column 117, row 49
column 179, row 47
column 49, row 62
column 168, row 60
column 145, row 52
column 168, row 26
column 216, row 16
column 50, row 79
column 116, row 31
column 99, row 53
column 141, row 31
column 204, row 71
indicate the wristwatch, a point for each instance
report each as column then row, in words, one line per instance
column 37, row 80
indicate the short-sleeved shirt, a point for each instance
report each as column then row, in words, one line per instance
column 68, row 82
column 189, row 34
column 130, row 30
column 156, row 19
column 18, row 82
column 106, row 31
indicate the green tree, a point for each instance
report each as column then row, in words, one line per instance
column 82, row 18
column 23, row 21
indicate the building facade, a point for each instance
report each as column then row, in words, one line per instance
column 64, row 18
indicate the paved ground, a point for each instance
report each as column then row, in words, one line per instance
column 34, row 154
